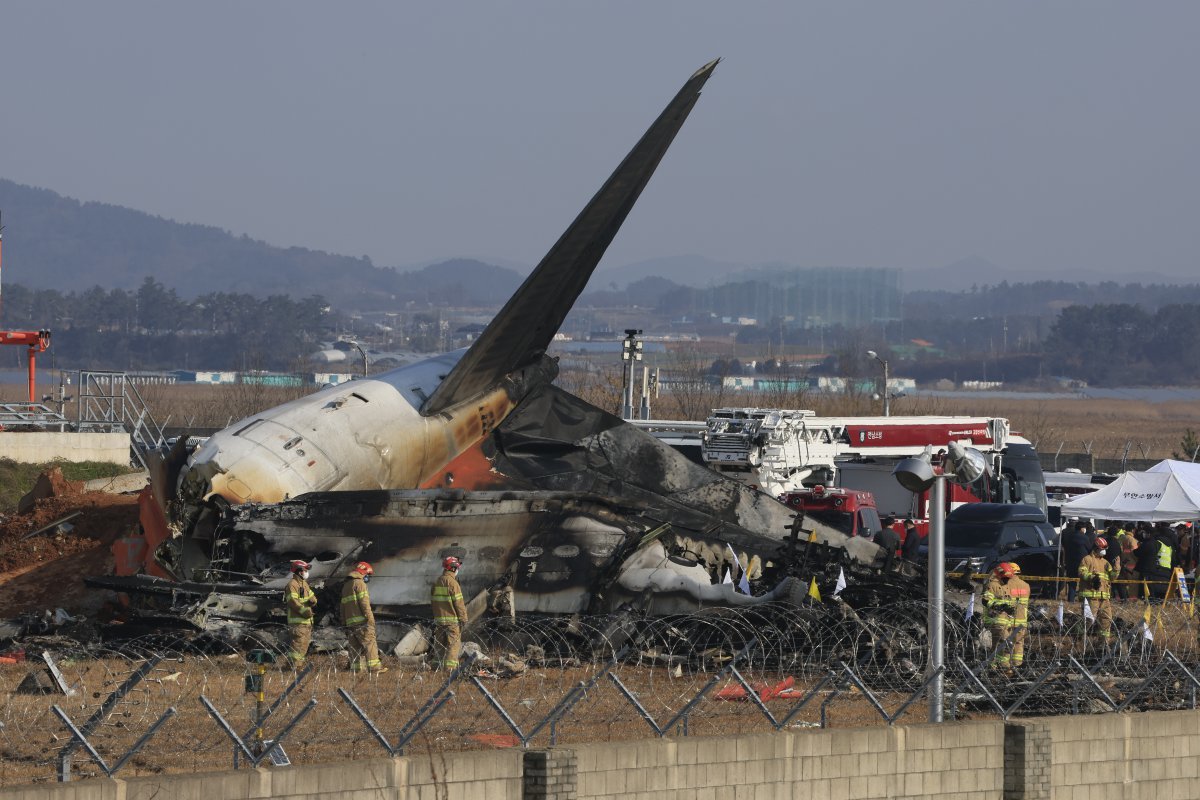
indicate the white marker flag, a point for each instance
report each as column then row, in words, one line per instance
column 970, row 609
column 841, row 582
column 743, row 583
column 1059, row 616
column 1147, row 634
column 1087, row 610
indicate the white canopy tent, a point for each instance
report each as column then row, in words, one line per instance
column 1187, row 471
column 1155, row 496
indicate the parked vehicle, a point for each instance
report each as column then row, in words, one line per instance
column 851, row 512
column 981, row 535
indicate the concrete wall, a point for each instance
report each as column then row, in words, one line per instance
column 1125, row 756
column 40, row 447
column 920, row 761
column 1094, row 757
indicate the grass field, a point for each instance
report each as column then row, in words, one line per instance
column 1106, row 428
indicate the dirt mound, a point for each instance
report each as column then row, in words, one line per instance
column 50, row 483
column 46, row 571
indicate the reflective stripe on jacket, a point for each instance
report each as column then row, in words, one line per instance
column 300, row 601
column 1019, row 590
column 998, row 605
column 356, row 603
column 447, row 601
column 1092, row 567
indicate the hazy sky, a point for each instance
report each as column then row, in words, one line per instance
column 1038, row 135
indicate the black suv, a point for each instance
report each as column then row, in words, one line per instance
column 981, row 535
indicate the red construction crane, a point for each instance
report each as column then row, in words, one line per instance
column 36, row 341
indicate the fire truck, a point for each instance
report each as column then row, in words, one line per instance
column 781, row 451
column 847, row 510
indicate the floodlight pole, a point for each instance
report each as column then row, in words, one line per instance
column 935, row 625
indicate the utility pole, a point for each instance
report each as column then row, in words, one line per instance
column 631, row 353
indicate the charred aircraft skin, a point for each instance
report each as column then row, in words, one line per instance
column 562, row 552
column 588, row 514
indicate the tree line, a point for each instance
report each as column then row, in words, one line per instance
column 154, row 328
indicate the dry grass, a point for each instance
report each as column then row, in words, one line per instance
column 1103, row 427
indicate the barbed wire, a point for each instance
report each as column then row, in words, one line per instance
column 570, row 680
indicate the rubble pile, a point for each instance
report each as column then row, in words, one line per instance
column 62, row 534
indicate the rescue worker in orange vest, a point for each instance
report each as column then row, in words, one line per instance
column 300, row 601
column 1006, row 612
column 1096, row 574
column 359, row 620
column 449, row 615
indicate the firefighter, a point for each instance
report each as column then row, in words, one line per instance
column 1006, row 612
column 300, row 601
column 359, row 620
column 449, row 615
column 1096, row 574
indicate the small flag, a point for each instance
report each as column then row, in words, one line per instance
column 1087, row 610
column 1146, row 615
column 1147, row 634
column 1184, row 594
column 812, row 537
column 813, row 591
column 1059, row 615
column 728, row 577
column 743, row 583
column 970, row 609
column 841, row 582
column 1146, row 589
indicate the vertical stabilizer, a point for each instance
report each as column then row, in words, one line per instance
column 522, row 331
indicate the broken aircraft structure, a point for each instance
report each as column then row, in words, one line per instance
column 476, row 454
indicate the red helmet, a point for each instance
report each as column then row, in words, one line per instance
column 363, row 568
column 1101, row 542
column 1006, row 570
column 300, row 566
column 451, row 563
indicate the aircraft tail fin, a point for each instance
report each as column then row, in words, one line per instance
column 523, row 329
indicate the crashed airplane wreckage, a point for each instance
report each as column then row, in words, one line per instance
column 476, row 454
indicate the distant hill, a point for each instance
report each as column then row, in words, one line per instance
column 55, row 242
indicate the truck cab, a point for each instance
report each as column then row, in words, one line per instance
column 981, row 535
column 849, row 511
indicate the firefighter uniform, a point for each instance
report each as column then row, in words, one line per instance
column 449, row 617
column 359, row 622
column 300, row 602
column 1095, row 581
column 1006, row 612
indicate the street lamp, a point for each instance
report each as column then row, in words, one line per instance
column 361, row 352
column 916, row 474
column 887, row 404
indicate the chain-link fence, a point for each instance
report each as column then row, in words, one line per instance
column 163, row 704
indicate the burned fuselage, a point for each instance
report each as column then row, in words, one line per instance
column 477, row 454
